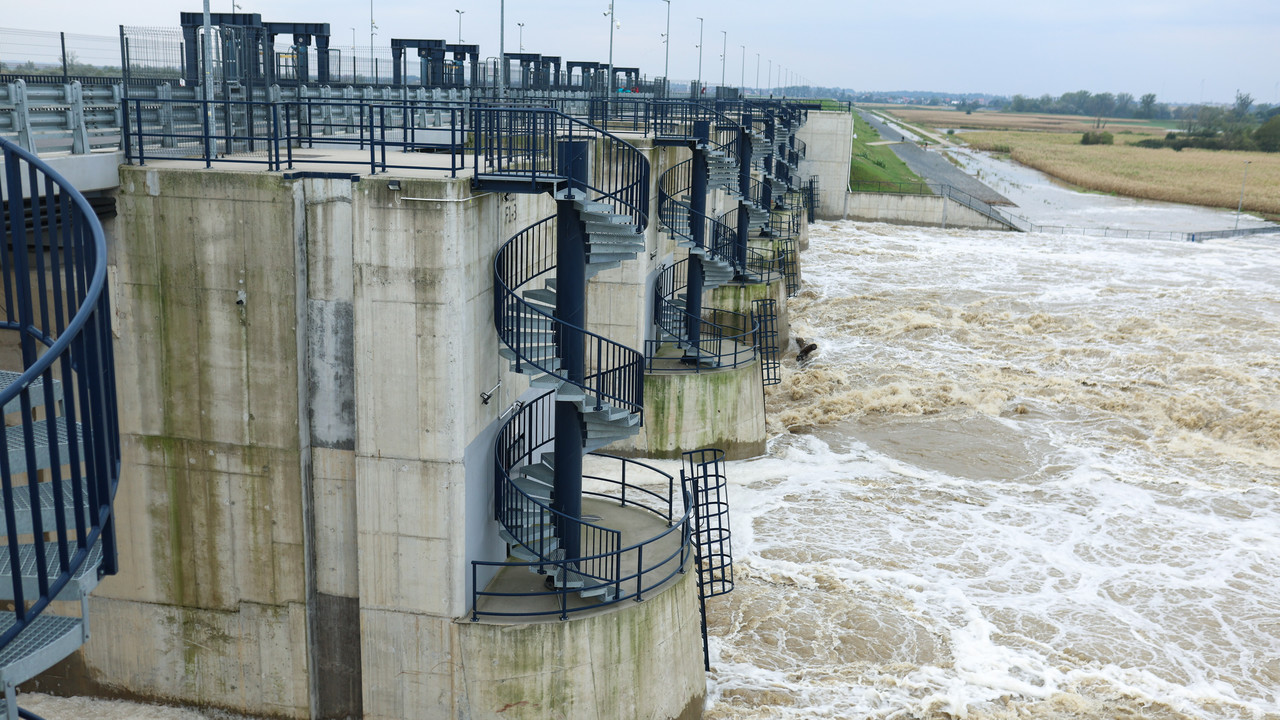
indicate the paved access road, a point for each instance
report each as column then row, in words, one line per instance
column 932, row 166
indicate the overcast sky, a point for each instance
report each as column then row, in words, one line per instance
column 1182, row 50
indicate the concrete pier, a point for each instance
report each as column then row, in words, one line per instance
column 301, row 362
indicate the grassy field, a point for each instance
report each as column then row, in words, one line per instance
column 1051, row 144
column 875, row 163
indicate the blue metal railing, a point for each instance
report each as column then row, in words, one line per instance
column 617, row 377
column 630, row 571
column 267, row 133
column 726, row 338
column 677, row 216
column 519, row 145
column 58, row 316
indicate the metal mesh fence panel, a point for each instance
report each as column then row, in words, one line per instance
column 37, row 52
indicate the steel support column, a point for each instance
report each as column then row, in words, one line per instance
column 571, row 309
column 744, row 190
column 698, row 231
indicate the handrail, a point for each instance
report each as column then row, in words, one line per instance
column 70, row 303
column 725, row 337
column 675, row 214
column 521, row 144
column 530, row 254
column 266, row 132
column 522, row 440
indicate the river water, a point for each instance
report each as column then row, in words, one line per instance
column 1025, row 476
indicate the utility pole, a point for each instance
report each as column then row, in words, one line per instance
column 757, row 72
column 742, row 72
column 521, row 26
column 460, row 14
column 372, row 26
column 207, row 81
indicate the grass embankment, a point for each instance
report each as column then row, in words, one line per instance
column 1051, row 144
column 876, row 163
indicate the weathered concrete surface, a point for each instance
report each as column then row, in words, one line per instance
column 739, row 298
column 828, row 138
column 644, row 663
column 686, row 410
column 931, row 210
column 301, row 362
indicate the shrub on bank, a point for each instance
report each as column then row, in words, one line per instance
column 1098, row 138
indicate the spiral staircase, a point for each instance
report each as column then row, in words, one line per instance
column 60, row 473
column 594, row 385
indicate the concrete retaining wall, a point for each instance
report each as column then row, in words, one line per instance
column 686, row 410
column 828, row 137
column 931, row 210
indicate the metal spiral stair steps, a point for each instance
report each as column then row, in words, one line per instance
column 48, row 638
column 674, row 330
column 716, row 270
column 722, row 171
column 611, row 240
column 35, row 391
column 611, row 237
column 757, row 215
column 534, row 536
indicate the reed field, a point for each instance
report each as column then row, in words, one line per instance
column 1196, row 177
column 988, row 120
column 1051, row 144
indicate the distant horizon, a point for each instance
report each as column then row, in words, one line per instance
column 1178, row 49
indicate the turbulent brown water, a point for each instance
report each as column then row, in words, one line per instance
column 1025, row 477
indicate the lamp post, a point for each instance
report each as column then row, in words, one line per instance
column 724, row 51
column 611, row 23
column 769, row 77
column 502, row 48
column 699, row 58
column 521, row 26
column 666, row 67
column 742, row 72
column 372, row 26
column 1242, row 182
column 460, row 14
column 757, row 72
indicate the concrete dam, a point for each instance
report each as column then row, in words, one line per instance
column 399, row 389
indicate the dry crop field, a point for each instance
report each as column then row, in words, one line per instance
column 1051, row 144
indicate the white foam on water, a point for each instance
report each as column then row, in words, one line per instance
column 1028, row 476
